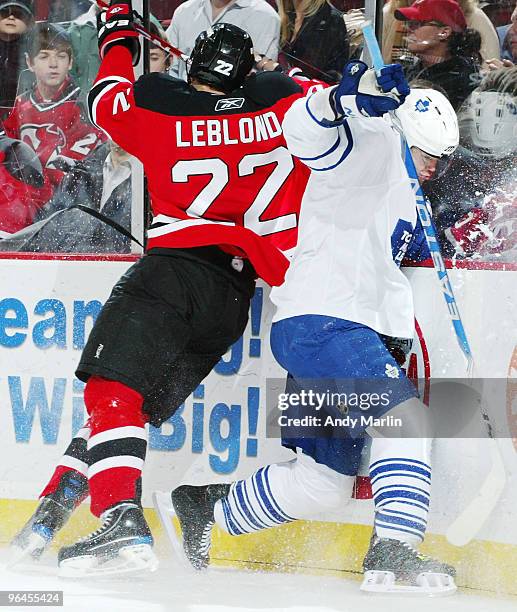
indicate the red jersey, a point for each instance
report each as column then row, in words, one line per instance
column 58, row 130
column 218, row 169
column 19, row 202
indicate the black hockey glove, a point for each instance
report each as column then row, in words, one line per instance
column 115, row 27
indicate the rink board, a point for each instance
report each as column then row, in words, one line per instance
column 46, row 311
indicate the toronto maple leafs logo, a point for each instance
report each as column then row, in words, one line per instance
column 354, row 69
column 392, row 371
column 422, row 106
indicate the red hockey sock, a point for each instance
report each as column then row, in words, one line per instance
column 117, row 444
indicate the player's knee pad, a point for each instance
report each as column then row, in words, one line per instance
column 112, row 404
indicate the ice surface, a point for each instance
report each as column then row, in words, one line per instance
column 219, row 590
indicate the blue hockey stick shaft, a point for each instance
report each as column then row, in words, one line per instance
column 424, row 208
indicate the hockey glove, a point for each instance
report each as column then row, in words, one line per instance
column 375, row 94
column 470, row 232
column 115, row 27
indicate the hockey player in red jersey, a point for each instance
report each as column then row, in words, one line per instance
column 49, row 117
column 225, row 196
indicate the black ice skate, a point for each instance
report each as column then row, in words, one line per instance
column 52, row 513
column 194, row 507
column 394, row 566
column 123, row 544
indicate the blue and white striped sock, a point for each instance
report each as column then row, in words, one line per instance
column 280, row 493
column 400, row 474
column 251, row 505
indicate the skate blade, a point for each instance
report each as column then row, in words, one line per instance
column 130, row 559
column 36, row 544
column 163, row 505
column 427, row 583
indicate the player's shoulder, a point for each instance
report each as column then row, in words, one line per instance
column 268, row 88
column 161, row 93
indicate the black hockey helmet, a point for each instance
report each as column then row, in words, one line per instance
column 222, row 56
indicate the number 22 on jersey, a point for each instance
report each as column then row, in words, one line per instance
column 252, row 204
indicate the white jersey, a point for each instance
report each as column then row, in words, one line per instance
column 356, row 219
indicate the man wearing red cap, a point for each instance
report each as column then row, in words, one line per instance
column 448, row 51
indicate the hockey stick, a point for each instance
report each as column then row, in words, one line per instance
column 469, row 522
column 156, row 40
column 327, row 78
column 423, row 208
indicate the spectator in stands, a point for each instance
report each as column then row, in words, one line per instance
column 508, row 45
column 192, row 17
column 159, row 60
column 61, row 11
column 447, row 51
column 49, row 117
column 100, row 182
column 488, row 131
column 475, row 201
column 85, row 49
column 16, row 20
column 395, row 31
column 313, row 36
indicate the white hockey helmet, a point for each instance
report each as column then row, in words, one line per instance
column 488, row 124
column 429, row 122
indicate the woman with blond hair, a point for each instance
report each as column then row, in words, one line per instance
column 393, row 32
column 313, row 36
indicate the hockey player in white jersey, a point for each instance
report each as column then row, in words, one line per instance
column 343, row 292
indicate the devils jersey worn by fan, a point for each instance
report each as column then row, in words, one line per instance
column 217, row 167
column 58, row 130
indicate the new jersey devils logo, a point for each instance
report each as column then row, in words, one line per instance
column 46, row 139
